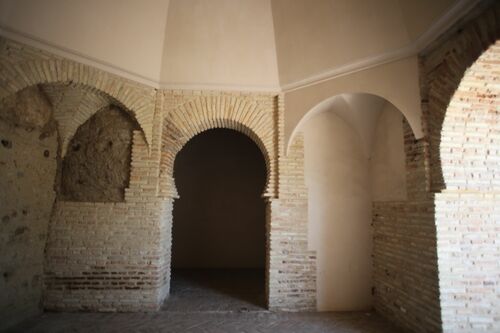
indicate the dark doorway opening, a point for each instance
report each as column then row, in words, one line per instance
column 218, row 247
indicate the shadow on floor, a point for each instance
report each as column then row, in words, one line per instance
column 211, row 301
column 207, row 322
column 216, row 290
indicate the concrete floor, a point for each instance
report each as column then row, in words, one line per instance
column 211, row 301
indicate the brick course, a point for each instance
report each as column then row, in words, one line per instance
column 461, row 76
column 436, row 256
column 406, row 288
column 291, row 270
column 23, row 66
column 116, row 256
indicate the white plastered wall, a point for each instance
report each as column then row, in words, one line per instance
column 354, row 155
column 337, row 176
column 387, row 164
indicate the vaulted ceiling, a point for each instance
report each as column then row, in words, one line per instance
column 261, row 44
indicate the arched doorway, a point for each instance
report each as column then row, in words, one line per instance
column 218, row 247
column 285, row 194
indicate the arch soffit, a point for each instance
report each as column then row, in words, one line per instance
column 396, row 82
column 210, row 112
column 483, row 64
column 336, row 102
column 195, row 117
column 139, row 101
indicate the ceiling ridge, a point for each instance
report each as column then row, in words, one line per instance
column 69, row 54
column 460, row 8
column 436, row 29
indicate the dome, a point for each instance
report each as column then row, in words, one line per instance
column 264, row 45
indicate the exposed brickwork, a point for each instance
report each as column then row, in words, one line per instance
column 469, row 260
column 22, row 66
column 468, row 210
column 116, row 256
column 460, row 78
column 104, row 257
column 290, row 276
column 457, row 227
column 442, row 68
column 470, row 144
column 99, row 256
column 292, row 266
column 73, row 105
column 405, row 264
column 108, row 256
column 416, row 162
column 404, row 249
column 190, row 113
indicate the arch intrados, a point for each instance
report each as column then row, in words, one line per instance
column 71, row 83
column 112, row 101
column 325, row 105
column 71, row 135
column 237, row 127
column 262, row 152
column 450, row 127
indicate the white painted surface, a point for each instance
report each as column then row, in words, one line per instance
column 128, row 34
column 230, row 44
column 221, row 43
column 337, row 176
column 354, row 155
column 396, row 82
column 313, row 36
column 419, row 15
column 388, row 171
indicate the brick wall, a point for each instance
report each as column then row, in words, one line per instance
column 188, row 113
column 468, row 209
column 73, row 105
column 406, row 288
column 405, row 270
column 290, row 276
column 460, row 76
column 469, row 260
column 110, row 256
column 104, row 257
column 99, row 256
column 292, row 266
column 116, row 256
column 436, row 256
column 469, row 146
column 22, row 66
column 443, row 66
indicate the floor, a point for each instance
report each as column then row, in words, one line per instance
column 219, row 290
column 211, row 301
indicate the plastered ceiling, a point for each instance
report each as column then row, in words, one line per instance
column 231, row 44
